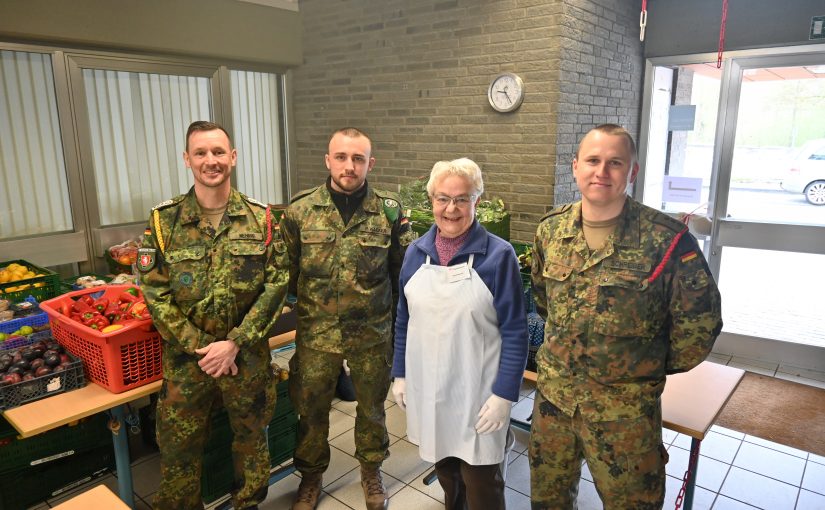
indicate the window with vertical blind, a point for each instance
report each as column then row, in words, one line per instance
column 256, row 122
column 34, row 195
column 138, row 127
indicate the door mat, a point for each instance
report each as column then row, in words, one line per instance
column 781, row 411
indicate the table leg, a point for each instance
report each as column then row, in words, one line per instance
column 120, row 438
column 693, row 466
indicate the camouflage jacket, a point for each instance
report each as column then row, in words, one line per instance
column 345, row 277
column 615, row 326
column 200, row 289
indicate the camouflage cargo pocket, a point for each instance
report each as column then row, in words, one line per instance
column 372, row 262
column 317, row 249
column 623, row 306
column 188, row 272
column 247, row 264
column 557, row 286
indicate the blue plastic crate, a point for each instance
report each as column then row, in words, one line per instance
column 26, row 340
column 36, row 319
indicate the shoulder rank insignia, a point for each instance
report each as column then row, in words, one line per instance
column 164, row 204
column 254, row 201
column 146, row 259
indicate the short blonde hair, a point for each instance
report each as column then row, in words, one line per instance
column 462, row 167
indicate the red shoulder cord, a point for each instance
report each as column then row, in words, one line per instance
column 668, row 253
column 268, row 226
column 722, row 33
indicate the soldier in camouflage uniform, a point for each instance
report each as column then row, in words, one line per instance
column 214, row 274
column 627, row 298
column 346, row 241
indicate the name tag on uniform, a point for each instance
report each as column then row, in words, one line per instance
column 458, row 272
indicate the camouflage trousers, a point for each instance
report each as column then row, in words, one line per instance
column 625, row 457
column 183, row 417
column 312, row 380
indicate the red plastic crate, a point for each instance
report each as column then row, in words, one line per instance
column 119, row 360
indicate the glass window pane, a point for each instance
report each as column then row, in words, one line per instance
column 138, row 127
column 773, row 294
column 680, row 142
column 256, row 122
column 778, row 169
column 34, row 194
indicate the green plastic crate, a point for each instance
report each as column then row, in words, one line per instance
column 217, row 476
column 55, row 445
column 25, row 487
column 48, row 284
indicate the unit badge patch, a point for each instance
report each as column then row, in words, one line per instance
column 146, row 259
column 186, row 279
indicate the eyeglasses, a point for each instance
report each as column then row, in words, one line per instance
column 461, row 201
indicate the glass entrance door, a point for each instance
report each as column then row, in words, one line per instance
column 744, row 147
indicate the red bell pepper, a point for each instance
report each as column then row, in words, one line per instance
column 66, row 308
column 99, row 322
column 126, row 297
column 86, row 299
column 101, row 304
column 81, row 306
column 139, row 311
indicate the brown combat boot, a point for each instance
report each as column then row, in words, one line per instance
column 375, row 494
column 308, row 492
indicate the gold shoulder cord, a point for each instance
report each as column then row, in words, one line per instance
column 158, row 233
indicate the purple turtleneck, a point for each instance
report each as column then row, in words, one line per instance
column 447, row 247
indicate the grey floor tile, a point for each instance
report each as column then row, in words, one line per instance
column 526, row 388
column 518, row 475
column 726, row 503
column 727, row 432
column 281, row 493
column 810, row 501
column 776, row 446
column 347, row 489
column 522, row 410
column 340, row 423
column 774, row 464
column 146, row 475
column 814, row 479
column 588, row 497
column 668, row 436
column 396, row 421
column 711, row 472
column 715, row 445
column 816, row 458
column 410, row 499
column 516, row 500
column 339, row 464
column 404, row 462
column 522, row 440
column 759, row 490
column 702, row 498
column 586, row 474
column 346, row 407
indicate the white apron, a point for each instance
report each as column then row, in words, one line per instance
column 452, row 358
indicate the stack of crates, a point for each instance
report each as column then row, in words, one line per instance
column 48, row 465
column 217, row 478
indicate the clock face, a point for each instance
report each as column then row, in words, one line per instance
column 506, row 92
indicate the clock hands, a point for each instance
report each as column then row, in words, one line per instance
column 504, row 91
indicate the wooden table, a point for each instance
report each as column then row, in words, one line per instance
column 97, row 498
column 690, row 404
column 48, row 413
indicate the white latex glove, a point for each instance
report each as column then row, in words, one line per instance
column 493, row 415
column 219, row 358
column 399, row 391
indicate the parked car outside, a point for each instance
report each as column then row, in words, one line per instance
column 807, row 172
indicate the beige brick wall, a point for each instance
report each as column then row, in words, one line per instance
column 414, row 75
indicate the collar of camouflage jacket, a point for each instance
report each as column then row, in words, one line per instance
column 190, row 211
column 628, row 229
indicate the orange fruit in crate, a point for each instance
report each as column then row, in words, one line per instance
column 125, row 260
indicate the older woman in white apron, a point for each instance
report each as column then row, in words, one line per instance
column 460, row 341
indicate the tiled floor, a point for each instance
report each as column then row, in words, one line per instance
column 736, row 471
